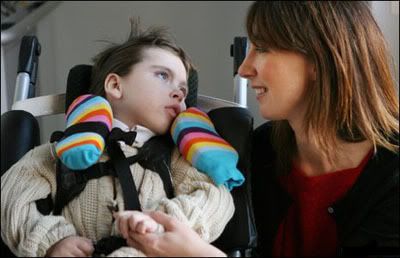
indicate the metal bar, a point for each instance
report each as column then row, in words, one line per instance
column 238, row 52
column 22, row 86
column 207, row 103
column 27, row 24
column 42, row 106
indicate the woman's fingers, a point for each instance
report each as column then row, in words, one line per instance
column 167, row 221
column 123, row 226
column 86, row 246
column 146, row 226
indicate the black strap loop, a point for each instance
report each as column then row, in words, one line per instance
column 56, row 136
column 118, row 135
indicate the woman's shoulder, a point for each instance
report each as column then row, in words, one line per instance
column 263, row 153
column 386, row 160
column 262, row 137
column 264, row 129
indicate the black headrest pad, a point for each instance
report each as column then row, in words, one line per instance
column 78, row 83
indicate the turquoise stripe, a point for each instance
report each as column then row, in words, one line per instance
column 192, row 119
column 81, row 157
column 211, row 151
column 74, row 137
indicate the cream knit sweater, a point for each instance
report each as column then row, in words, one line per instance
column 198, row 203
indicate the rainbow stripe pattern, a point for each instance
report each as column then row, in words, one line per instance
column 199, row 143
column 82, row 149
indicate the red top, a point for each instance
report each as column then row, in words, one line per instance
column 309, row 229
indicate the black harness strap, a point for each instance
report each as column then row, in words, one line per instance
column 71, row 182
column 156, row 156
column 166, row 179
column 121, row 166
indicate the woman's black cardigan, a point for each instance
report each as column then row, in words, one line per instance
column 367, row 217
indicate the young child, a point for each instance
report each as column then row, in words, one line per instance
column 144, row 80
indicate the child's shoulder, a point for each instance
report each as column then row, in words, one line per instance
column 43, row 152
column 177, row 157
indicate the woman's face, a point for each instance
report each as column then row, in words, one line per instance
column 280, row 79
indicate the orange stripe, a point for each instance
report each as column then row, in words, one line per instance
column 61, row 151
column 200, row 139
column 199, row 145
column 96, row 113
column 195, row 111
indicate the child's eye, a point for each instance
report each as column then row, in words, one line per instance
column 162, row 75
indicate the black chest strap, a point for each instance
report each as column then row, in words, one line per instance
column 154, row 155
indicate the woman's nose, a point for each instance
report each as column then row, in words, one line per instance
column 246, row 69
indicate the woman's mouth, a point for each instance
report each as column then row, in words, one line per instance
column 260, row 91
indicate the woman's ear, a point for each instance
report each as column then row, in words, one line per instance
column 112, row 86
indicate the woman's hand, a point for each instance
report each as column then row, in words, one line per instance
column 136, row 221
column 177, row 240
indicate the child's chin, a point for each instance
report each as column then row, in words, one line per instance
column 162, row 130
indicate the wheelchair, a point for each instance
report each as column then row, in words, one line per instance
column 20, row 132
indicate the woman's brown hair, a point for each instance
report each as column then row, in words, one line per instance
column 354, row 96
column 121, row 58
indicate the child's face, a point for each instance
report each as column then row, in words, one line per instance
column 153, row 93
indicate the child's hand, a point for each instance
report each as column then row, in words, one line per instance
column 73, row 246
column 134, row 222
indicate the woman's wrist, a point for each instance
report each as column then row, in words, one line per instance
column 208, row 250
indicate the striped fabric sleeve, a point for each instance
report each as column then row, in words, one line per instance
column 83, row 146
column 199, row 143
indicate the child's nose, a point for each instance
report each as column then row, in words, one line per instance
column 177, row 94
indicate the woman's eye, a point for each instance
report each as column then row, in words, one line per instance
column 260, row 49
column 163, row 75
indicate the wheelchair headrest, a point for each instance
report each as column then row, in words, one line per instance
column 78, row 83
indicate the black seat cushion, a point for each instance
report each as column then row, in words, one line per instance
column 19, row 133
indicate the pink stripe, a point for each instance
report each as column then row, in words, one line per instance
column 190, row 136
column 100, row 118
column 76, row 102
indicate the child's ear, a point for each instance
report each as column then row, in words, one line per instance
column 112, row 86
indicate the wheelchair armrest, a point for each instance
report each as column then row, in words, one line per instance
column 19, row 134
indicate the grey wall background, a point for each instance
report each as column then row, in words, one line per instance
column 386, row 14
column 205, row 29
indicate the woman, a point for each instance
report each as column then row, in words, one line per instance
column 325, row 168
